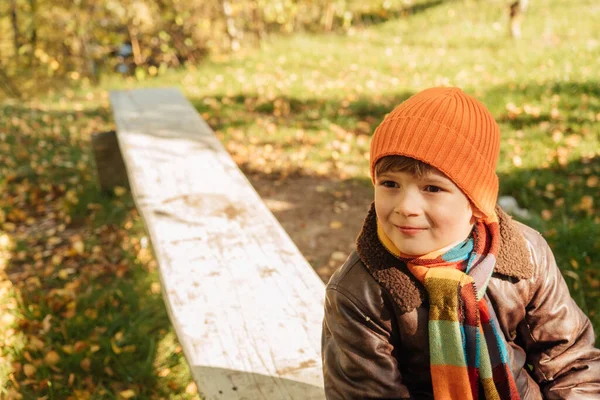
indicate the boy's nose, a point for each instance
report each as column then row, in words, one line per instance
column 407, row 204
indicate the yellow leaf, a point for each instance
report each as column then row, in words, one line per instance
column 29, row 370
column 586, row 203
column 56, row 259
column 85, row 364
column 91, row 313
column 71, row 196
column 54, row 240
column 546, row 215
column 119, row 191
column 79, row 246
column 114, row 346
column 52, row 358
column 36, row 343
column 9, row 227
column 191, row 388
column 574, row 263
column 129, row 349
column 517, row 161
column 65, row 272
column 46, row 324
column 335, row 225
column 592, row 181
column 82, row 394
column 338, row 256
column 94, row 348
column 127, row 394
column 164, row 372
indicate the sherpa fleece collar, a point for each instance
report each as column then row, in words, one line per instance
column 407, row 292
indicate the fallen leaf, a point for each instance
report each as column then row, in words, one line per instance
column 586, row 203
column 52, row 358
column 29, row 370
column 574, row 263
column 546, row 215
column 114, row 347
column 517, row 161
column 65, row 272
column 338, row 256
column 119, row 191
column 85, row 364
column 36, row 343
column 127, row 394
column 79, row 247
column 191, row 388
column 335, row 225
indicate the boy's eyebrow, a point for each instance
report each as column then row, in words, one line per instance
column 436, row 177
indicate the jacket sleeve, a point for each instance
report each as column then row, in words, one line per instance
column 559, row 337
column 357, row 352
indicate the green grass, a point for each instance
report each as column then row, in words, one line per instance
column 302, row 104
column 81, row 294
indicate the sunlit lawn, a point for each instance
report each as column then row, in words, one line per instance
column 81, row 313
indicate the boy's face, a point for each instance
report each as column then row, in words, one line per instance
column 421, row 215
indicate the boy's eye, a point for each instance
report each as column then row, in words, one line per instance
column 389, row 184
column 433, row 189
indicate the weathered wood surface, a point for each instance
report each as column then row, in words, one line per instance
column 247, row 307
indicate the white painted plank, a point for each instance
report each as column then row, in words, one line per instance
column 247, row 307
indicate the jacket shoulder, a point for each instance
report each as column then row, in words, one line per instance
column 536, row 244
column 354, row 281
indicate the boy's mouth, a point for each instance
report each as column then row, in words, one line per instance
column 410, row 230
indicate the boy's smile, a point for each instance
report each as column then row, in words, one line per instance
column 422, row 214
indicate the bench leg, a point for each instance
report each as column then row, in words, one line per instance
column 110, row 169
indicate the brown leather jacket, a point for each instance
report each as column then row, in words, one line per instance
column 375, row 341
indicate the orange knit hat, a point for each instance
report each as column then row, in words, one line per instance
column 451, row 131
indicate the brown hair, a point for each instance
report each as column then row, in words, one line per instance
column 402, row 164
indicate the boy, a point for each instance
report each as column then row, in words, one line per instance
column 446, row 296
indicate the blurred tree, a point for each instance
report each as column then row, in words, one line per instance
column 15, row 26
column 54, row 40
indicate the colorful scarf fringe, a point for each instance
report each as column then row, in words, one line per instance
column 468, row 355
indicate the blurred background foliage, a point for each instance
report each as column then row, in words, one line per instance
column 46, row 40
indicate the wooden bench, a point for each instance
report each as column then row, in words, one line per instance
column 246, row 306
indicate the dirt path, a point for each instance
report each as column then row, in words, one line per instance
column 322, row 216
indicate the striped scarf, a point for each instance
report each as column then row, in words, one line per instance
column 468, row 356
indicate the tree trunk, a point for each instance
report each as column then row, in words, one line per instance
column 329, row 17
column 135, row 46
column 15, row 26
column 33, row 38
column 230, row 24
column 258, row 26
